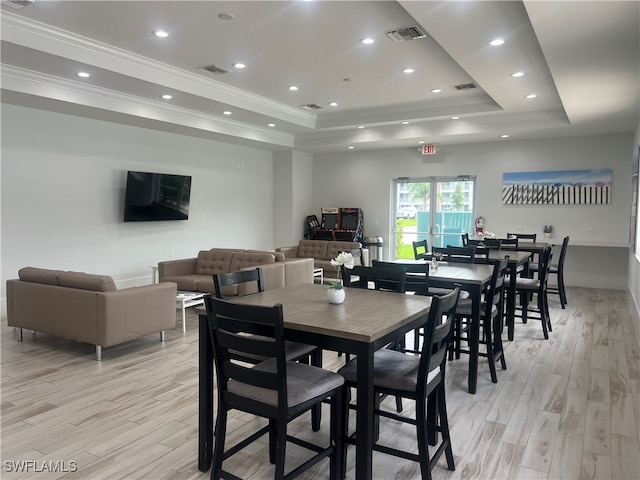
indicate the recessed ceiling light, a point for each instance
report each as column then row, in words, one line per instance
column 161, row 33
column 435, row 90
column 496, row 42
column 360, row 126
column 530, row 96
column 347, row 79
column 84, row 74
column 333, row 104
column 408, row 70
column 421, row 142
column 226, row 16
column 239, row 65
column 504, row 136
column 405, row 123
column 351, row 147
column 517, row 74
column 271, row 125
column 367, row 41
column 167, row 97
column 455, row 118
column 226, row 112
column 293, row 88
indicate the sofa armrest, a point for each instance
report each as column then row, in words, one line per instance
column 289, row 252
column 272, row 275
column 298, row 270
column 131, row 313
column 172, row 268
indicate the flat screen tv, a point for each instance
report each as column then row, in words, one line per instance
column 156, row 196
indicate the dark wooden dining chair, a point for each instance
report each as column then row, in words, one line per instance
column 276, row 389
column 495, row 243
column 378, row 278
column 528, row 287
column 420, row 249
column 294, row 351
column 455, row 254
column 509, row 242
column 558, row 270
column 523, row 236
column 421, row 379
column 491, row 320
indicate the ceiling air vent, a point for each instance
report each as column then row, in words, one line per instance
column 406, row 34
column 311, row 106
column 217, row 69
column 17, row 3
column 464, row 86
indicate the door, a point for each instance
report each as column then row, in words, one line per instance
column 438, row 209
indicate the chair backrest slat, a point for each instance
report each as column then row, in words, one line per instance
column 417, row 275
column 221, row 280
column 523, row 236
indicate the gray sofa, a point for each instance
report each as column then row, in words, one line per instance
column 322, row 251
column 88, row 308
column 196, row 274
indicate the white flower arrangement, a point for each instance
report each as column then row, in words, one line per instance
column 547, row 228
column 346, row 259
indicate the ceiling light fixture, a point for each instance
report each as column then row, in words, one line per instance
column 517, row 74
column 333, row 104
column 360, row 126
column 496, row 42
column 226, row 16
column 408, row 70
column 504, row 136
column 239, row 66
column 292, row 88
column 530, row 96
column 226, row 112
column 84, row 74
column 167, row 97
column 455, row 118
column 367, row 41
column 271, row 125
column 347, row 79
column 351, row 147
column 435, row 90
column 161, row 33
column 405, row 123
column 421, row 142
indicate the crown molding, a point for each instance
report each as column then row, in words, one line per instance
column 46, row 86
column 54, row 41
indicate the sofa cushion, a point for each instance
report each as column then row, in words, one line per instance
column 87, row 281
column 245, row 259
column 186, row 283
column 335, row 248
column 279, row 255
column 312, row 248
column 216, row 260
column 39, row 275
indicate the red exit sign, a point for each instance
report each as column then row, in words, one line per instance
column 428, row 149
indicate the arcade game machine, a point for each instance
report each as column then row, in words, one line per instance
column 329, row 223
column 350, row 228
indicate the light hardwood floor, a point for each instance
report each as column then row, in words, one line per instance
column 566, row 408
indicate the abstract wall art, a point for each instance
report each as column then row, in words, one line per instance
column 567, row 187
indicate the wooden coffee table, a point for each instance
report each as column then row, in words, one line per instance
column 185, row 300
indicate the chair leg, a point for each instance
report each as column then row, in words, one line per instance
column 561, row 289
column 337, row 464
column 280, row 447
column 444, row 426
column 488, row 334
column 218, row 450
column 316, row 410
column 422, row 430
column 543, row 315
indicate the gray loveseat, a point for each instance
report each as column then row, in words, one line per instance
column 88, row 308
column 196, row 274
column 322, row 251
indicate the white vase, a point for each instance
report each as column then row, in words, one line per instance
column 547, row 234
column 336, row 296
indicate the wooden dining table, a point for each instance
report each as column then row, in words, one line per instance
column 367, row 321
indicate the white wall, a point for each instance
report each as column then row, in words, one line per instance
column 63, row 180
column 364, row 179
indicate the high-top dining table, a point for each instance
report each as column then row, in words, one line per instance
column 366, row 321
